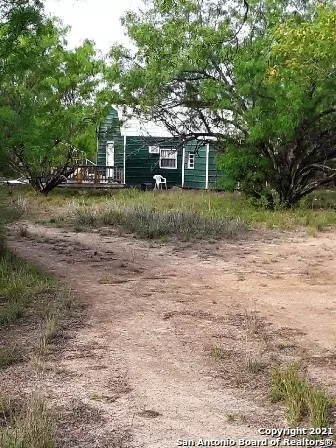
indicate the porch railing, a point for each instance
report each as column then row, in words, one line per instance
column 97, row 175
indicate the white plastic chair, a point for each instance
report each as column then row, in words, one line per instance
column 159, row 181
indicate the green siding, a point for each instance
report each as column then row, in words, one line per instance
column 109, row 130
column 141, row 166
column 196, row 178
column 214, row 173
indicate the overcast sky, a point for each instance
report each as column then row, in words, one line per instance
column 97, row 20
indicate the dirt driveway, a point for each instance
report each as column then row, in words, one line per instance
column 170, row 335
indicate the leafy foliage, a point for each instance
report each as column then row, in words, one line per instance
column 249, row 74
column 48, row 97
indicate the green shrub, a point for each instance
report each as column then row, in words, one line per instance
column 320, row 200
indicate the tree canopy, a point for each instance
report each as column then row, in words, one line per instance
column 48, row 96
column 259, row 76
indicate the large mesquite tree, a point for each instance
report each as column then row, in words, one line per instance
column 257, row 75
column 48, row 96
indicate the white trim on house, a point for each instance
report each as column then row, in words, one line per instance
column 207, row 167
column 169, row 154
column 125, row 141
column 183, row 165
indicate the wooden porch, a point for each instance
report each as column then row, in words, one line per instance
column 95, row 176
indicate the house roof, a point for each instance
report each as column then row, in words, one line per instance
column 136, row 127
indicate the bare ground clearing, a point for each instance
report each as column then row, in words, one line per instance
column 143, row 363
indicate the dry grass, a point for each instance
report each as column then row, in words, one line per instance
column 315, row 212
column 9, row 355
column 32, row 427
column 148, row 223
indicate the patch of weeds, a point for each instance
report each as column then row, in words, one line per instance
column 2, row 243
column 37, row 361
column 11, row 312
column 288, row 386
column 311, row 231
column 236, row 417
column 32, row 427
column 253, row 323
column 149, row 223
column 42, row 351
column 19, row 286
column 254, row 366
column 105, row 280
column 67, row 301
column 51, row 328
column 9, row 355
column 319, row 406
column 24, row 289
column 217, row 352
column 7, row 409
column 58, row 221
column 322, row 199
column 86, row 217
column 317, row 210
column 300, row 398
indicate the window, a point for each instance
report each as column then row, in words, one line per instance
column 168, row 159
column 191, row 161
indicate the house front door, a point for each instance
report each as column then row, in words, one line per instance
column 110, row 161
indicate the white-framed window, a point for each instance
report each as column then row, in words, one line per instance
column 191, row 161
column 168, row 159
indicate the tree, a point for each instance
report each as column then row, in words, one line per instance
column 209, row 68
column 49, row 104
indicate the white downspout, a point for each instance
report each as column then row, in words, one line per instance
column 183, row 165
column 125, row 159
column 207, row 167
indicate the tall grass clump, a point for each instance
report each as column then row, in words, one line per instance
column 33, row 427
column 9, row 355
column 211, row 206
column 19, row 286
column 300, row 398
column 316, row 211
column 150, row 223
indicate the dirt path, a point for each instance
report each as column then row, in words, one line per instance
column 155, row 314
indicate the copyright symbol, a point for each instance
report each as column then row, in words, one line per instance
column 328, row 442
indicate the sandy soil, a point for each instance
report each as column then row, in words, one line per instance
column 145, row 357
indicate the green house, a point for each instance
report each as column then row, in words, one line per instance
column 139, row 157
column 199, row 166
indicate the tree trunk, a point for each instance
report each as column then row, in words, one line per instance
column 53, row 181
